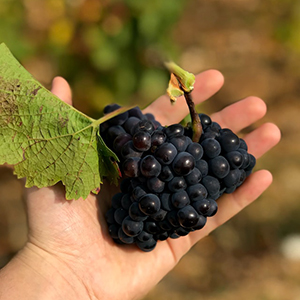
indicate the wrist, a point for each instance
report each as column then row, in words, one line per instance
column 35, row 274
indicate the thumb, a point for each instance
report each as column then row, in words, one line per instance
column 61, row 89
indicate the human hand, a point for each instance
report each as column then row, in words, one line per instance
column 69, row 250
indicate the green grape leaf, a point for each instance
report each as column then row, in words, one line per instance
column 48, row 140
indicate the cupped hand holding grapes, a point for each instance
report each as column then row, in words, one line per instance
column 69, row 254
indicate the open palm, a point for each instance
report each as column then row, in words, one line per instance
column 71, row 237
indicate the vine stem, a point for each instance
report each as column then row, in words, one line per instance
column 196, row 123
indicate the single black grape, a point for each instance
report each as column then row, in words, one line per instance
column 124, row 237
column 219, row 166
column 197, row 192
column 158, row 137
column 176, row 184
column 196, row 150
column 149, row 204
column 131, row 227
column 180, row 199
column 135, row 213
column 193, row 177
column 235, row 159
column 146, row 246
column 166, row 174
column 155, row 185
column 142, row 140
column 166, row 153
column 174, row 130
column 183, row 164
column 149, row 166
column 211, row 184
column 188, row 216
column 211, row 147
column 228, row 140
column 131, row 166
column 181, row 142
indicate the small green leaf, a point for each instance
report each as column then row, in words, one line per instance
column 48, row 140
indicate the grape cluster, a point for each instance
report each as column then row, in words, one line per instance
column 170, row 183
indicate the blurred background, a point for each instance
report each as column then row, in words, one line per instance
column 110, row 51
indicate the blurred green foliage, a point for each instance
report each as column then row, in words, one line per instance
column 109, row 50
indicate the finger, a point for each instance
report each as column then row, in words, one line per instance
column 241, row 114
column 61, row 89
column 262, row 139
column 207, row 84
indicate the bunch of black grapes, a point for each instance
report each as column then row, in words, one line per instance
column 170, row 184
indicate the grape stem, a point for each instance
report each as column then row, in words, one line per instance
column 196, row 123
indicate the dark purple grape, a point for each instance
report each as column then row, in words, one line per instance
column 180, row 199
column 182, row 231
column 116, row 200
column 196, row 150
column 142, row 140
column 150, row 167
column 113, row 231
column 181, row 142
column 183, row 163
column 109, row 216
column 137, row 193
column 149, row 204
column 243, row 145
column 201, row 223
column 246, row 158
column 166, row 153
column 174, row 130
column 158, row 137
column 235, row 159
column 144, row 125
column 176, row 184
column 129, row 151
column 155, row 185
column 187, row 216
column 197, row 192
column 202, row 165
column 115, row 131
column 166, row 174
column 120, row 141
column 136, row 112
column 165, row 199
column 119, row 119
column 124, row 237
column 161, row 236
column 193, row 177
column 129, row 125
column 131, row 227
column 151, row 227
column 219, row 166
column 126, row 201
column 110, row 108
column 120, row 215
column 211, row 147
column 173, row 218
column 135, row 213
column 206, row 207
column 228, row 140
column 131, row 166
column 211, row 184
column 147, row 246
column 232, row 178
column 205, row 120
column 165, row 225
column 144, row 236
column 159, row 216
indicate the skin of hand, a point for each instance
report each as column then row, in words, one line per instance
column 69, row 254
